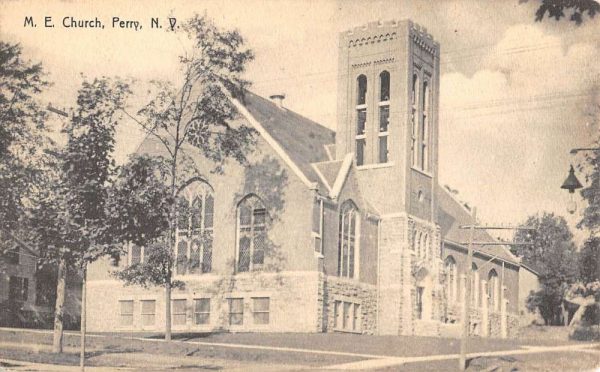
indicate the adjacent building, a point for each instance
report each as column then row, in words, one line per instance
column 327, row 231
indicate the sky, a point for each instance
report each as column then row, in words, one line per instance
column 515, row 95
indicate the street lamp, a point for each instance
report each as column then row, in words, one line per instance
column 571, row 184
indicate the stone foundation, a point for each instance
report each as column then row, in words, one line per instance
column 293, row 303
column 334, row 289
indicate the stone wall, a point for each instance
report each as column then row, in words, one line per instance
column 333, row 289
column 292, row 303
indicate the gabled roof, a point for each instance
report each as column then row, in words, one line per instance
column 302, row 139
column 452, row 215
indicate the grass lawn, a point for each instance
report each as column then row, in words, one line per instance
column 126, row 349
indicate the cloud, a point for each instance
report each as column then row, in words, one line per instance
column 506, row 131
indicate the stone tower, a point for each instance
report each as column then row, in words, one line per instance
column 388, row 91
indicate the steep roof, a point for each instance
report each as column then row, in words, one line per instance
column 452, row 215
column 301, row 138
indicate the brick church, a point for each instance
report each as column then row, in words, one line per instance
column 325, row 231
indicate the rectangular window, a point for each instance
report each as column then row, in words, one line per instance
column 384, row 118
column 419, row 302
column 148, row 312
column 260, row 310
column 318, row 225
column 361, row 121
column 383, row 149
column 336, row 314
column 126, row 313
column 202, row 311
column 18, row 288
column 179, row 313
column 346, row 316
column 236, row 311
column 361, row 144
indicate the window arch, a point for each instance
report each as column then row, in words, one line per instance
column 384, row 116
column 451, row 282
column 494, row 290
column 194, row 237
column 361, row 119
column 361, row 85
column 475, row 285
column 348, row 239
column 384, row 86
column 252, row 220
column 414, row 119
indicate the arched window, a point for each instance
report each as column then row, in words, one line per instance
column 195, row 215
column 252, row 233
column 384, row 115
column 361, row 83
column 348, row 239
column 424, row 155
column 413, row 246
column 361, row 119
column 474, row 285
column 494, row 290
column 452, row 276
column 414, row 120
column 384, row 86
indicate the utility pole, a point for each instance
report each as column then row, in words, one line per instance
column 462, row 362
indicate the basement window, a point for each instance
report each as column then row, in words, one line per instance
column 126, row 313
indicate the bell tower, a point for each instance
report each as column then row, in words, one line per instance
column 388, row 88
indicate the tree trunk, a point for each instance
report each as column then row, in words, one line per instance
column 168, row 311
column 83, row 319
column 57, row 343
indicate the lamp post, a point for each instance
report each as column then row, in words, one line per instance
column 572, row 183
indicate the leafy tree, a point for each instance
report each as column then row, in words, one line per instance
column 556, row 9
column 589, row 261
column 553, row 255
column 69, row 219
column 591, row 193
column 197, row 116
column 142, row 198
column 22, row 132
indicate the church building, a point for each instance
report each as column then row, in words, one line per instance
column 345, row 231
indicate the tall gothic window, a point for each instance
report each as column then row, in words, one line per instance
column 424, row 153
column 414, row 119
column 475, row 285
column 252, row 233
column 348, row 239
column 195, row 215
column 494, row 290
column 384, row 115
column 452, row 279
column 361, row 119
